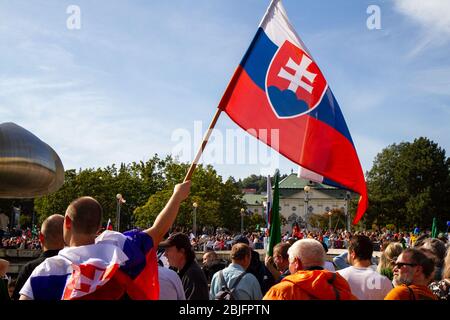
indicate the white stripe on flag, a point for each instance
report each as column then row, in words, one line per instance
column 306, row 174
column 277, row 27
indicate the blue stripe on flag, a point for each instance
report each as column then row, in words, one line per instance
column 257, row 59
column 137, row 245
column 328, row 111
column 48, row 287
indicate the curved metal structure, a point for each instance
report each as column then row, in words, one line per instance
column 28, row 166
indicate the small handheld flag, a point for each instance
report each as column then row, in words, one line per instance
column 109, row 225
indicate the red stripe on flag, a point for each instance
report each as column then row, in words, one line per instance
column 304, row 140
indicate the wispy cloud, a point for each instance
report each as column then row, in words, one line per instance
column 85, row 127
column 115, row 90
column 434, row 18
column 433, row 15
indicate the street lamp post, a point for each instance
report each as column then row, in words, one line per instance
column 306, row 189
column 242, row 220
column 120, row 200
column 347, row 198
column 329, row 220
column 265, row 213
column 194, row 227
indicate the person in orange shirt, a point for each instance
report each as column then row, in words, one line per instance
column 308, row 279
column 413, row 272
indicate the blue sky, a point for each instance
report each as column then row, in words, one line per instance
column 118, row 88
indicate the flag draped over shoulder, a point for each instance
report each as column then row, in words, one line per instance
column 279, row 88
column 117, row 264
column 275, row 222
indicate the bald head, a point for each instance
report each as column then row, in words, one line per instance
column 52, row 232
column 209, row 258
column 86, row 215
column 309, row 251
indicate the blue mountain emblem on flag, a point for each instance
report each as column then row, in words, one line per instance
column 286, row 103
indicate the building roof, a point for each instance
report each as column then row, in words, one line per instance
column 292, row 181
column 254, row 199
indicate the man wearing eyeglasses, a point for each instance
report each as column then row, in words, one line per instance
column 413, row 272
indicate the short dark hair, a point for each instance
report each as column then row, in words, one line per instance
column 417, row 256
column 239, row 251
column 180, row 241
column 211, row 253
column 362, row 247
column 52, row 230
column 283, row 249
column 240, row 238
column 437, row 247
column 86, row 214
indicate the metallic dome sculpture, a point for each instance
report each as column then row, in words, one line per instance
column 28, row 166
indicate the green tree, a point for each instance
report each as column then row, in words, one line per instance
column 218, row 203
column 257, row 182
column 136, row 182
column 409, row 184
column 253, row 221
column 231, row 204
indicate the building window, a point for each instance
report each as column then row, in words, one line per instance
column 310, row 209
column 294, row 208
column 292, row 218
column 327, row 209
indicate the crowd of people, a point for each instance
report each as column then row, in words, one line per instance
column 333, row 239
column 17, row 238
column 81, row 261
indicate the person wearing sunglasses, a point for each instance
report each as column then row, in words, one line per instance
column 413, row 272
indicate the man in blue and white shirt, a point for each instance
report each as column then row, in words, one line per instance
column 248, row 287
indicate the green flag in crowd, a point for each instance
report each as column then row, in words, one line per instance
column 275, row 222
column 434, row 230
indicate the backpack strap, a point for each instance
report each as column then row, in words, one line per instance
column 412, row 296
column 330, row 281
column 238, row 280
column 223, row 283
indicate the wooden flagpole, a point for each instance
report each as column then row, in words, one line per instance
column 223, row 102
column 203, row 145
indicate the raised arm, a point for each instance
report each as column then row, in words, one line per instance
column 167, row 216
column 4, row 266
column 268, row 261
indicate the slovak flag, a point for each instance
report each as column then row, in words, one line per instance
column 269, row 202
column 116, row 265
column 109, row 225
column 278, row 86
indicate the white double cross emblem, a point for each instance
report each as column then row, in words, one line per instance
column 301, row 72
